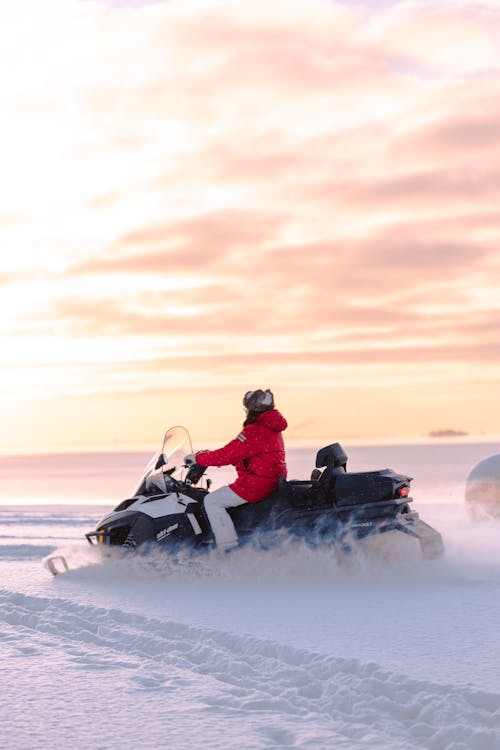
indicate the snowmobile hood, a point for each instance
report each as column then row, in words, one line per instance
column 273, row 420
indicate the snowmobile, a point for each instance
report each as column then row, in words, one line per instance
column 334, row 506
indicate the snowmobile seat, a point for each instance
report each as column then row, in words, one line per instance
column 303, row 494
column 331, row 462
column 298, row 493
column 332, row 458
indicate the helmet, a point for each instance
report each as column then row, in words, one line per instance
column 258, row 400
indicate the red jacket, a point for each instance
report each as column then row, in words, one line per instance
column 258, row 453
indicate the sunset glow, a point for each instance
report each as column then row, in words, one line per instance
column 199, row 198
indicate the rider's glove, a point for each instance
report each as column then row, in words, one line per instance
column 190, row 459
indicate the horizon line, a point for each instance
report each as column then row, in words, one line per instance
column 293, row 444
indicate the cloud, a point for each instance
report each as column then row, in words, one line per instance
column 221, row 230
column 290, row 188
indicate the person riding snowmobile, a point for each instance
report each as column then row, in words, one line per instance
column 258, row 454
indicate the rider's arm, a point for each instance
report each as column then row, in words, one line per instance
column 243, row 446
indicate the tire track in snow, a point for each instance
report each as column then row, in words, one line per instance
column 361, row 703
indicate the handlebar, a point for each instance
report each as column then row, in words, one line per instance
column 195, row 473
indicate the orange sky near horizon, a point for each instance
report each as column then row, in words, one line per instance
column 199, row 198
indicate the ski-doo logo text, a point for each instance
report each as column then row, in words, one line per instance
column 165, row 532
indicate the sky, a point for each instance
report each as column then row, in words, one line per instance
column 202, row 198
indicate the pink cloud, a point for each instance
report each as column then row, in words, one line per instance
column 327, row 173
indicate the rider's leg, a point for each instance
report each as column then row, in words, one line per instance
column 222, row 525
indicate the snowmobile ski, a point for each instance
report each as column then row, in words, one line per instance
column 57, row 564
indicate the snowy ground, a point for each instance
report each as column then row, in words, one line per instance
column 277, row 650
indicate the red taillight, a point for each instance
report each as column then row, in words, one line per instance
column 403, row 492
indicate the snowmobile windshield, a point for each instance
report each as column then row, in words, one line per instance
column 168, row 460
column 176, row 445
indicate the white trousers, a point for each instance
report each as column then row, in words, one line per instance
column 222, row 525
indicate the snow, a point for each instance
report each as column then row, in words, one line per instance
column 285, row 649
